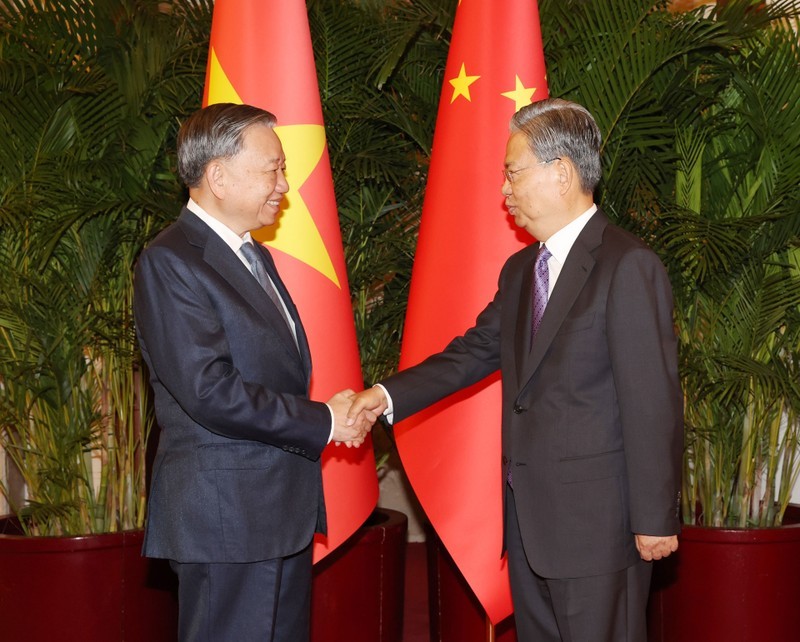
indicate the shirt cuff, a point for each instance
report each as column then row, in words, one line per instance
column 389, row 412
column 333, row 424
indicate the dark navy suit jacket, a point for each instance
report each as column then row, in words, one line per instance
column 237, row 474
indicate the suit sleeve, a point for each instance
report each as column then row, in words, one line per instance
column 643, row 351
column 187, row 349
column 466, row 360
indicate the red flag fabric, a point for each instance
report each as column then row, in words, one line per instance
column 260, row 54
column 451, row 451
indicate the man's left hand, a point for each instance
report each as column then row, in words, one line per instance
column 653, row 547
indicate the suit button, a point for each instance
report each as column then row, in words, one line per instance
column 518, row 410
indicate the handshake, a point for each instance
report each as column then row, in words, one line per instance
column 354, row 414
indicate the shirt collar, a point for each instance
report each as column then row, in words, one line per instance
column 231, row 238
column 562, row 241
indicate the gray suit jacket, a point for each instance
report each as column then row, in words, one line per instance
column 592, row 414
column 237, row 475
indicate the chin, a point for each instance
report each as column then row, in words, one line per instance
column 267, row 219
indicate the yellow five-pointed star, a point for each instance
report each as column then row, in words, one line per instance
column 296, row 233
column 461, row 84
column 521, row 95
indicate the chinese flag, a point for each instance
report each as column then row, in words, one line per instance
column 451, row 451
column 260, row 54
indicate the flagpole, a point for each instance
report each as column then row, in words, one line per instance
column 489, row 630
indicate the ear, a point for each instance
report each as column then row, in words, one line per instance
column 214, row 177
column 566, row 175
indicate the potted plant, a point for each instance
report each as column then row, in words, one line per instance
column 730, row 241
column 702, row 159
column 89, row 98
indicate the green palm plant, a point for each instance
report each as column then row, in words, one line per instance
column 90, row 97
column 732, row 238
column 700, row 116
column 700, row 157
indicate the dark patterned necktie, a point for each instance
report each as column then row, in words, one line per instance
column 257, row 268
column 541, row 283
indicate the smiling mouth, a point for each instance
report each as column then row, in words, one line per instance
column 274, row 203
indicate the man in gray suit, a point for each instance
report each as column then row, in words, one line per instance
column 236, row 492
column 581, row 329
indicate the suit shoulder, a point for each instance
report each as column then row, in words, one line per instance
column 615, row 234
column 173, row 236
column 621, row 241
column 627, row 254
column 178, row 239
column 524, row 255
column 170, row 252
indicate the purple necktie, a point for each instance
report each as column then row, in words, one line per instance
column 541, row 283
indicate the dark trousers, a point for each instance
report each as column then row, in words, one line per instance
column 267, row 601
column 601, row 608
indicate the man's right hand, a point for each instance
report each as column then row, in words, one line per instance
column 350, row 429
column 372, row 400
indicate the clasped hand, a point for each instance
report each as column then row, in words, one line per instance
column 350, row 427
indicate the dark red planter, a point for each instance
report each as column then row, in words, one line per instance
column 357, row 593
column 100, row 589
column 456, row 615
column 84, row 589
column 728, row 585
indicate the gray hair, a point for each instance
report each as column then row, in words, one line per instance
column 557, row 128
column 216, row 131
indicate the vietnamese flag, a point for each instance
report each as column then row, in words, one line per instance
column 260, row 54
column 451, row 452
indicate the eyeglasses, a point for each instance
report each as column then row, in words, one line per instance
column 509, row 174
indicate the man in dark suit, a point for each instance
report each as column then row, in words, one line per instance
column 592, row 416
column 236, row 492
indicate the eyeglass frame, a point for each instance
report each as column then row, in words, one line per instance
column 508, row 174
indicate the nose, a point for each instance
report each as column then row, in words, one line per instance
column 506, row 188
column 282, row 185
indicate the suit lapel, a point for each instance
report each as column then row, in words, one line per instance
column 219, row 256
column 302, row 339
column 522, row 336
column 579, row 264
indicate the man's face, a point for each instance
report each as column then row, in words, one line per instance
column 254, row 181
column 530, row 188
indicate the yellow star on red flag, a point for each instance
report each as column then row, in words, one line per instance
column 461, row 84
column 521, row 95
